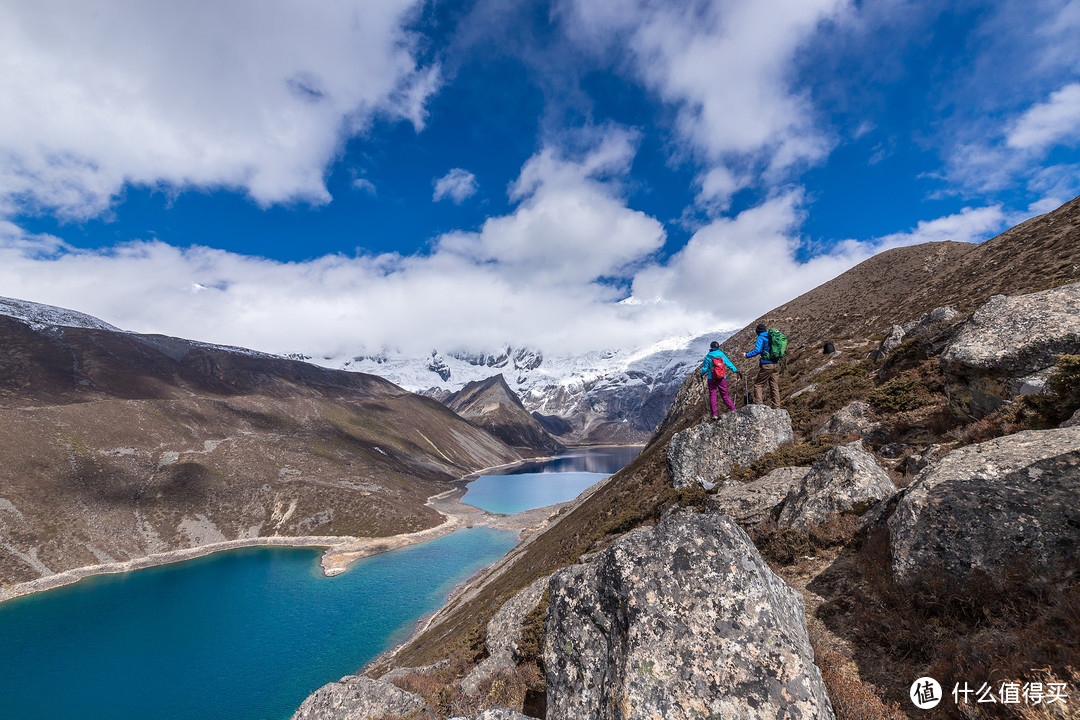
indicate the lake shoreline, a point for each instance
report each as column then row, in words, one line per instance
column 339, row 552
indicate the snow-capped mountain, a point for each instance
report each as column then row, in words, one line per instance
column 600, row 396
column 40, row 315
column 615, row 396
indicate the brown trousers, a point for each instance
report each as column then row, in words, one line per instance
column 768, row 375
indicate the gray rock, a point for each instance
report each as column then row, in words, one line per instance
column 501, row 713
column 1007, row 346
column 894, row 338
column 846, row 481
column 357, row 697
column 1074, row 421
column 753, row 502
column 503, row 636
column 853, row 418
column 1011, row 499
column 404, row 672
column 706, row 452
column 678, row 621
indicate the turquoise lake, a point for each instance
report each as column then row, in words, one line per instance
column 546, row 482
column 245, row 634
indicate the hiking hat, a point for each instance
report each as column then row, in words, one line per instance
column 759, row 329
column 714, row 345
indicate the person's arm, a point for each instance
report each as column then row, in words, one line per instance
column 705, row 367
column 758, row 347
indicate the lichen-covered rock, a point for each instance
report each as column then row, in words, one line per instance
column 357, row 697
column 854, row 418
column 504, row 634
column 1008, row 346
column 501, row 713
column 894, row 338
column 706, row 452
column 683, row 620
column 1074, row 421
column 846, row 481
column 990, row 505
column 753, row 502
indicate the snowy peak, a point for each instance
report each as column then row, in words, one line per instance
column 40, row 316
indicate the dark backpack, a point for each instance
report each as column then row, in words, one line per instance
column 719, row 369
column 777, row 346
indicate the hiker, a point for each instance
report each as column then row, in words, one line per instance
column 768, row 370
column 716, row 373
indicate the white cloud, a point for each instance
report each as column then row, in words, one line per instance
column 528, row 277
column 246, row 94
column 365, row 185
column 458, row 185
column 726, row 67
column 570, row 227
column 741, row 267
column 1045, row 124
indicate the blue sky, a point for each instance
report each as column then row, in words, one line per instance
column 573, row 174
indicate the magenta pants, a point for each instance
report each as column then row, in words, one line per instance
column 720, row 385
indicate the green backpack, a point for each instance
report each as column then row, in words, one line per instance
column 777, row 346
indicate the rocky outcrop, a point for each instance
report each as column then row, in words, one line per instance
column 679, row 621
column 503, row 636
column 855, row 418
column 1008, row 348
column 501, row 713
column 1074, row 421
column 754, row 502
column 357, row 697
column 846, row 481
column 990, row 505
column 892, row 340
column 706, row 453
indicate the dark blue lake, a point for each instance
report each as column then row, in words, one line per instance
column 546, row 482
column 244, row 634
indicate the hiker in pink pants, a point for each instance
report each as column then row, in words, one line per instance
column 715, row 370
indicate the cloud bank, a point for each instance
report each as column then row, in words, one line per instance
column 194, row 95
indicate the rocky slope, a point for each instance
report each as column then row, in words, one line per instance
column 116, row 446
column 867, row 532
column 492, row 405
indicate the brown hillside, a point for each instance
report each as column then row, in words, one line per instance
column 115, row 446
column 492, row 405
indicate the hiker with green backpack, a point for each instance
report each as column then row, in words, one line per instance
column 715, row 370
column 771, row 346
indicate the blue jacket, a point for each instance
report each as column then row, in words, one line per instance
column 761, row 346
column 706, row 367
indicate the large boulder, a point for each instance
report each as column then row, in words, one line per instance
column 754, row 502
column 504, row 634
column 855, row 418
column 707, row 452
column 683, row 620
column 357, row 697
column 846, row 481
column 1008, row 348
column 1074, row 421
column 891, row 340
column 991, row 505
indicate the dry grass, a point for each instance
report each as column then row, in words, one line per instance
column 441, row 689
column 975, row 629
column 785, row 546
column 852, row 699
